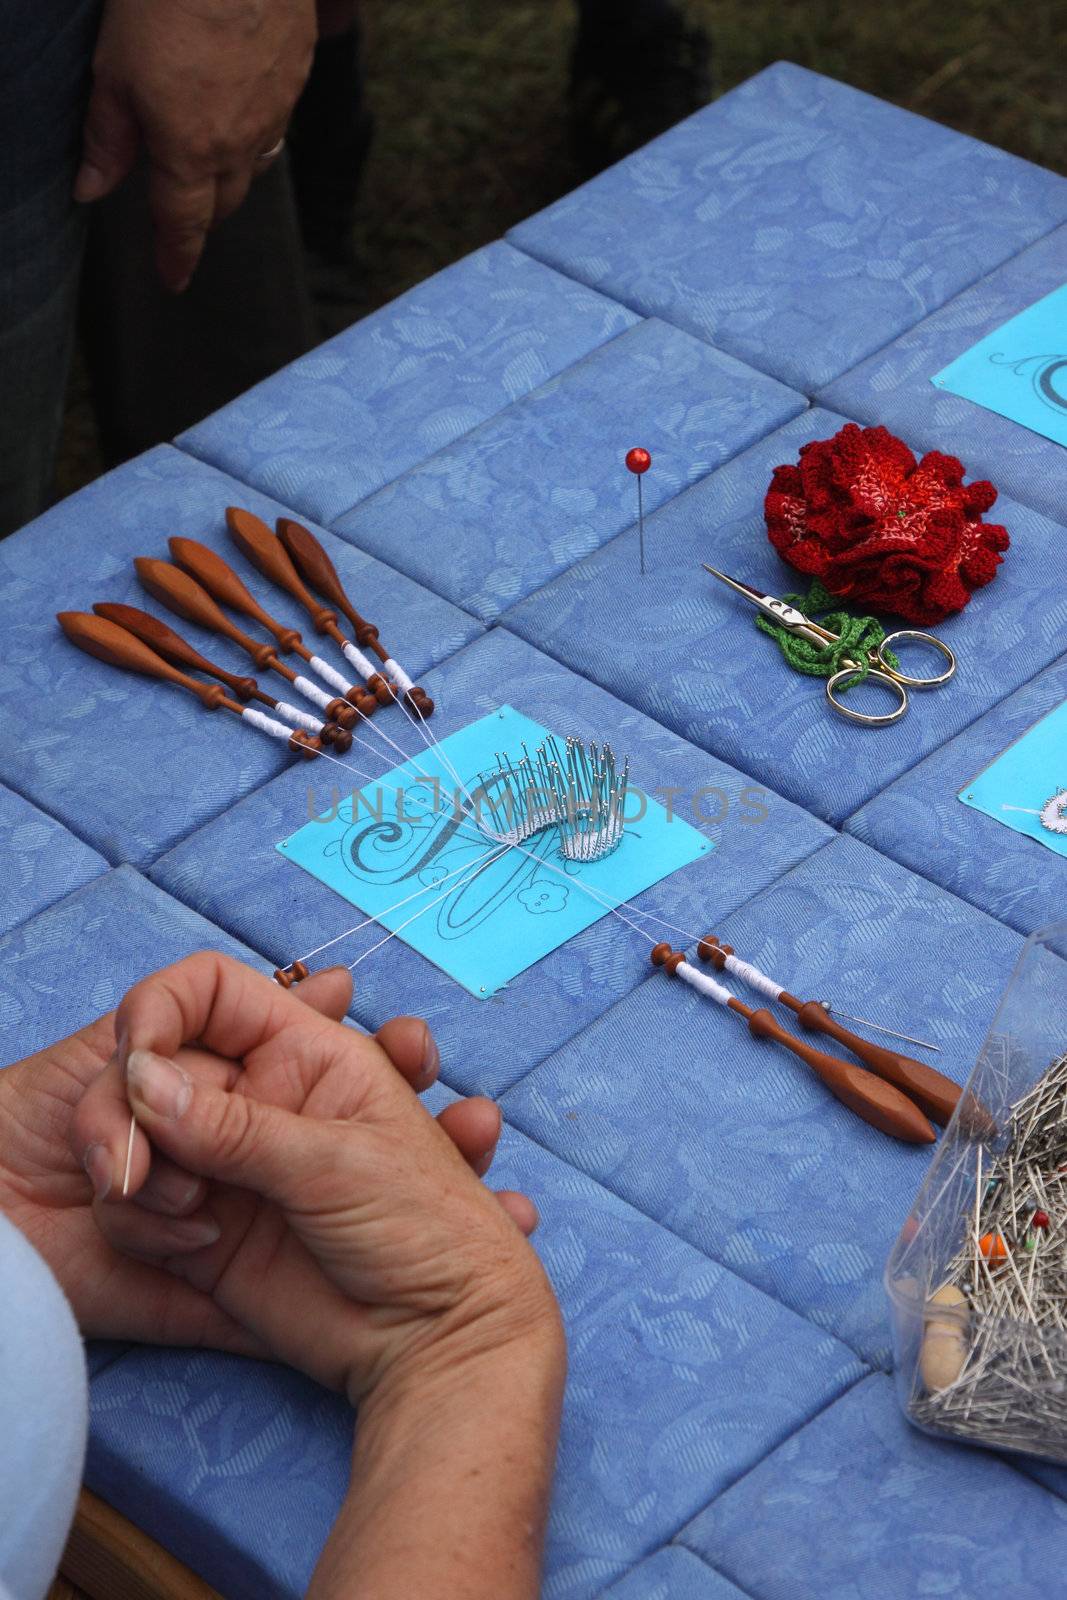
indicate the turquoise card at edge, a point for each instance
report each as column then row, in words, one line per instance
column 1020, row 369
column 404, row 853
column 1025, row 788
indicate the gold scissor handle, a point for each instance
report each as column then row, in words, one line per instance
column 868, row 719
column 878, row 658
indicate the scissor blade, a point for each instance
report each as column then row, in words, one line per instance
column 744, row 589
column 776, row 609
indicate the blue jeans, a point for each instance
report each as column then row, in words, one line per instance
column 44, row 81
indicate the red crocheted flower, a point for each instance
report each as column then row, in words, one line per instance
column 881, row 529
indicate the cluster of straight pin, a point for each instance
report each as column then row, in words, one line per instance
column 1011, row 1389
column 576, row 788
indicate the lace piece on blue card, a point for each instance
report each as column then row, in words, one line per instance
column 1020, row 369
column 1026, row 786
column 406, row 851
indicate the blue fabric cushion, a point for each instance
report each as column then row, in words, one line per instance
column 858, row 1503
column 797, row 223
column 681, row 1377
column 542, row 484
column 42, row 860
column 919, row 819
column 131, row 765
column 734, row 1144
column 686, row 650
column 231, row 872
column 673, row 1574
column 85, row 952
column 893, row 387
column 396, row 387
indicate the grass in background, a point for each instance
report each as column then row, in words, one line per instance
column 470, row 103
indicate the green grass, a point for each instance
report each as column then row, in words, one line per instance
column 470, row 102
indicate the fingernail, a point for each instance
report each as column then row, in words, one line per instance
column 122, row 1045
column 431, row 1057
column 161, row 1085
column 174, row 1189
column 97, row 1164
column 197, row 1233
column 89, row 184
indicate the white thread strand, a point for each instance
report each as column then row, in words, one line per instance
column 473, row 867
column 258, row 719
column 329, row 675
column 398, row 675
column 302, row 719
column 422, row 889
column 363, row 665
column 754, row 977
column 703, row 983
column 312, row 692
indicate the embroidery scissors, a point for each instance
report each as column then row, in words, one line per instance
column 880, row 670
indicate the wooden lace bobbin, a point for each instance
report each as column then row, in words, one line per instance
column 304, row 552
column 220, row 581
column 932, row 1091
column 105, row 640
column 179, row 652
column 182, row 594
column 294, row 973
column 265, row 550
column 945, row 1337
column 875, row 1101
column 317, row 568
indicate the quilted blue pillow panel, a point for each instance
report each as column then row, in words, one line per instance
column 673, row 1574
column 231, row 872
column 528, row 493
column 685, row 650
column 797, row 223
column 921, row 821
column 395, row 388
column 681, row 1378
column 893, row 387
column 42, row 860
column 734, row 1144
column 859, row 1503
column 129, row 764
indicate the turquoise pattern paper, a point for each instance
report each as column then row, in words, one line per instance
column 1020, row 369
column 403, row 852
column 1026, row 786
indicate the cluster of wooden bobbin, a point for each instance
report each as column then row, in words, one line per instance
column 891, row 1091
column 198, row 583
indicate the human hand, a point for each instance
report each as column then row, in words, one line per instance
column 208, row 87
column 354, row 1237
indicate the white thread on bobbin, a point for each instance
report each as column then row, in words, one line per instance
column 703, row 982
column 753, row 977
column 363, row 665
column 398, row 675
column 302, row 719
column 329, row 675
column 259, row 719
column 312, row 691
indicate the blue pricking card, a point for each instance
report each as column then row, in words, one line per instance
column 403, row 851
column 1020, row 369
column 1026, row 786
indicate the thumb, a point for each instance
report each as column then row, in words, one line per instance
column 109, row 144
column 217, row 1134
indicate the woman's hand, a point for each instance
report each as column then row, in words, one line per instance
column 354, row 1238
column 208, row 87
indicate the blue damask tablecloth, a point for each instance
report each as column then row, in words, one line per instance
column 715, row 1225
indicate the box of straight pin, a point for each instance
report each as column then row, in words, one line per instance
column 977, row 1280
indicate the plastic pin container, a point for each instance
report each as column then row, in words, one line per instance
column 986, row 1379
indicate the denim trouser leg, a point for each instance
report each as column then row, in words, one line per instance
column 44, row 79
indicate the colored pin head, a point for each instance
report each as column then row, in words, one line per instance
column 638, row 462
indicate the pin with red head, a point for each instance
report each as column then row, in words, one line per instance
column 638, row 462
